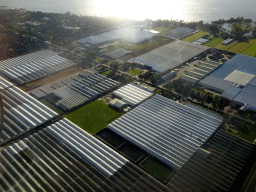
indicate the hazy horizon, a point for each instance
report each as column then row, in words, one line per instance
column 187, row 10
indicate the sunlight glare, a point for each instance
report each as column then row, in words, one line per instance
column 139, row 10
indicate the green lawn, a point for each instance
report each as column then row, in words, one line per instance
column 198, row 90
column 242, row 46
column 250, row 51
column 195, row 36
column 157, row 91
column 146, row 44
column 93, row 117
column 135, row 71
column 106, row 72
column 214, row 42
column 226, row 47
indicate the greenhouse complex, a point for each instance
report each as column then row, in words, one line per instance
column 21, row 112
column 30, row 67
column 167, row 130
column 132, row 94
column 132, row 35
column 79, row 89
column 63, row 157
column 170, row 56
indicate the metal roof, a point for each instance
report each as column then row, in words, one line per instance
column 22, row 113
column 118, row 53
column 170, row 55
column 78, row 90
column 239, row 77
column 179, row 33
column 24, row 69
column 231, row 92
column 132, row 94
column 132, row 35
column 167, row 130
column 227, row 155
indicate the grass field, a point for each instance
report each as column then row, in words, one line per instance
column 242, row 46
column 106, row 72
column 146, row 44
column 195, row 36
column 226, row 47
column 250, row 51
column 135, row 71
column 214, row 42
column 93, row 117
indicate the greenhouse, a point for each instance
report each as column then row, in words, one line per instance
column 170, row 55
column 21, row 112
column 63, row 157
column 132, row 94
column 167, row 130
column 24, row 69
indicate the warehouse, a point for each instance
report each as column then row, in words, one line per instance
column 21, row 112
column 33, row 66
column 131, row 35
column 170, row 55
column 76, row 90
column 132, row 94
column 167, row 130
column 63, row 157
column 239, row 73
column 179, row 33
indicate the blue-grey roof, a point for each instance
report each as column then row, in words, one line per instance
column 214, row 83
column 231, row 92
column 239, row 70
column 247, row 95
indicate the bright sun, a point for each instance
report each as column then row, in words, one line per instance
column 140, row 9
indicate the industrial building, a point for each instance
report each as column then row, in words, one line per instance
column 235, row 79
column 170, row 56
column 132, row 94
column 79, row 89
column 30, row 67
column 63, row 157
column 132, row 35
column 180, row 33
column 167, row 130
column 118, row 53
column 117, row 104
column 21, row 112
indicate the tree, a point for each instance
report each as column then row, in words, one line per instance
column 254, row 32
column 114, row 65
column 213, row 28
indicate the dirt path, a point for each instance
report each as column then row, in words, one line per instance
column 50, row 78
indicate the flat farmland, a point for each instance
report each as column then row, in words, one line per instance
column 241, row 46
column 213, row 42
column 195, row 36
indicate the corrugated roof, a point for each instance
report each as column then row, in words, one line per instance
column 231, row 92
column 167, row 130
column 23, row 71
column 132, row 94
column 118, row 53
column 22, row 113
column 170, row 55
column 63, row 157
